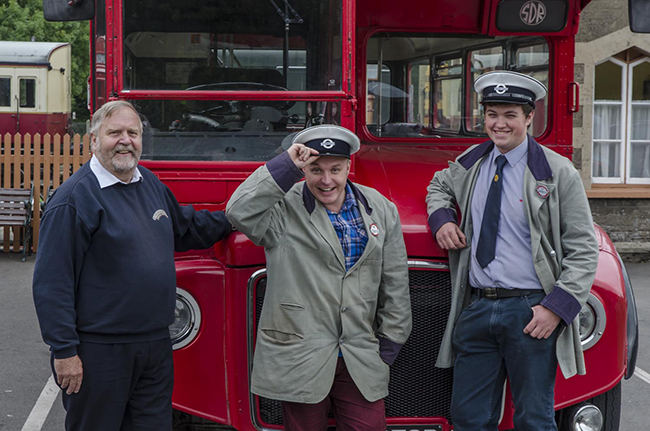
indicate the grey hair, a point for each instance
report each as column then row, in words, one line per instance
column 107, row 111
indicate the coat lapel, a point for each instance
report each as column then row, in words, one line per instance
column 372, row 239
column 321, row 222
column 538, row 187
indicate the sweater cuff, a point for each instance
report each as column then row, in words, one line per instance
column 388, row 350
column 440, row 217
column 66, row 353
column 563, row 304
column 284, row 171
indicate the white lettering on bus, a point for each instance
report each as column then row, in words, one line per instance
column 533, row 12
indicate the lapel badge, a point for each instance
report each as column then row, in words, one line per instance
column 542, row 191
column 374, row 230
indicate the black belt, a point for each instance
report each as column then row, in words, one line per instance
column 500, row 292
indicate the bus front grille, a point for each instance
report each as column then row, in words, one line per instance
column 416, row 388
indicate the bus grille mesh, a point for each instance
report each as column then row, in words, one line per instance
column 417, row 388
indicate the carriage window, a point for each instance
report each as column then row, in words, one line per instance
column 27, row 92
column 429, row 92
column 5, row 91
column 207, row 46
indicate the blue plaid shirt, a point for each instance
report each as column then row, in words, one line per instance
column 350, row 229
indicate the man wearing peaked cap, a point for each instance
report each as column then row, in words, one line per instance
column 337, row 308
column 522, row 260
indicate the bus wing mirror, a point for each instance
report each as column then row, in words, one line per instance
column 639, row 16
column 68, row 10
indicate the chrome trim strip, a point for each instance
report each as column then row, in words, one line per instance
column 422, row 264
column 250, row 310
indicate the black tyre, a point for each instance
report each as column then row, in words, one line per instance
column 609, row 404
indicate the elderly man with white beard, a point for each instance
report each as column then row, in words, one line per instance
column 105, row 281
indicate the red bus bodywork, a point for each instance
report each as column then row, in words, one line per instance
column 227, row 282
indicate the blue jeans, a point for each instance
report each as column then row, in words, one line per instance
column 490, row 344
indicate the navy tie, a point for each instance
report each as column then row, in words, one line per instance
column 487, row 241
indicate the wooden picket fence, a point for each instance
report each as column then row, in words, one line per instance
column 43, row 162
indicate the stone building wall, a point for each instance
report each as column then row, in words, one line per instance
column 603, row 33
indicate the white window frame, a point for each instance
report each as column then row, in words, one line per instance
column 623, row 105
column 628, row 141
column 37, row 90
column 12, row 100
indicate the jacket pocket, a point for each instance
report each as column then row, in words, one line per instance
column 370, row 278
column 280, row 337
column 292, row 306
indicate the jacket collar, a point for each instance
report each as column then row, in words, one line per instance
column 537, row 161
column 309, row 199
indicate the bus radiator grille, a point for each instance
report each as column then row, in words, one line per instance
column 417, row 388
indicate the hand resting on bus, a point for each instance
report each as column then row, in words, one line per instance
column 450, row 237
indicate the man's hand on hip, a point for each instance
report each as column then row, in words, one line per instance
column 450, row 237
column 301, row 155
column 69, row 373
column 543, row 323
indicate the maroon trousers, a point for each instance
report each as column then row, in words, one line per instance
column 351, row 410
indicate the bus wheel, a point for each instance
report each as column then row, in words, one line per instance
column 603, row 409
column 609, row 404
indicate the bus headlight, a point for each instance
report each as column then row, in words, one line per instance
column 587, row 418
column 592, row 322
column 187, row 320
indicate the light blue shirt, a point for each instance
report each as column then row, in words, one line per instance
column 512, row 267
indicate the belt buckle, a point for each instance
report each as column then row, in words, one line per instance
column 490, row 292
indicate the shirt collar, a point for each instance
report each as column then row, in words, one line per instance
column 349, row 202
column 105, row 178
column 513, row 156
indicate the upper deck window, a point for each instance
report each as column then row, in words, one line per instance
column 429, row 91
column 218, row 45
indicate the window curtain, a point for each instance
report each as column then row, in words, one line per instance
column 606, row 155
column 640, row 157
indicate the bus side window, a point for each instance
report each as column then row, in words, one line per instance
column 5, row 91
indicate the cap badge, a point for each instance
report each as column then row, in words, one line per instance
column 542, row 191
column 500, row 88
column 327, row 144
column 374, row 230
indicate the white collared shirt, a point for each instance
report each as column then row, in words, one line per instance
column 105, row 178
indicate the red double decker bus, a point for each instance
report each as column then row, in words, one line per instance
column 221, row 83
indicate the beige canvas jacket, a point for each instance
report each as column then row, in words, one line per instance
column 313, row 307
column 563, row 239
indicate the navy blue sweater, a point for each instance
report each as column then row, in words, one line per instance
column 105, row 263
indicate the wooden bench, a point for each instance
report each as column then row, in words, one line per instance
column 16, row 211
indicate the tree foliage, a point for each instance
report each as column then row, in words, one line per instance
column 22, row 20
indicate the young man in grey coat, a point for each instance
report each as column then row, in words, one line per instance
column 523, row 258
column 337, row 307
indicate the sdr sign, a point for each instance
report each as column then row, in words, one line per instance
column 532, row 12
